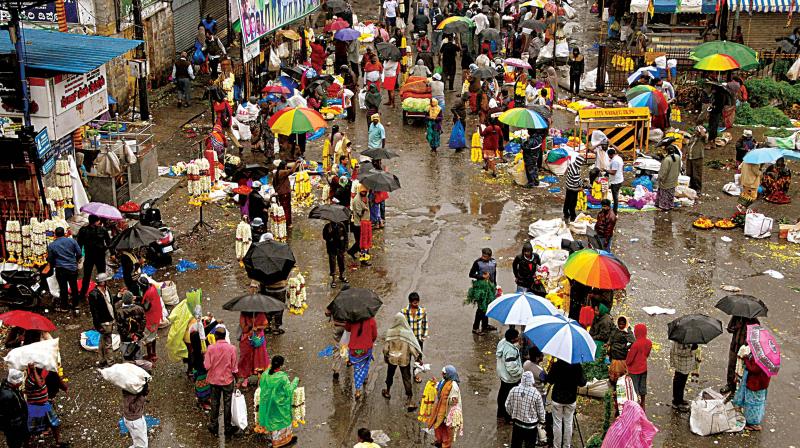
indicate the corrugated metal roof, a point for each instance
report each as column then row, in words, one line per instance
column 67, row 52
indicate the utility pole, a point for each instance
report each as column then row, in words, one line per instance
column 138, row 34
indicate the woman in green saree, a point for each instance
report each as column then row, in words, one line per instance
column 275, row 405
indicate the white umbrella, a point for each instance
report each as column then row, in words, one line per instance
column 519, row 308
column 561, row 337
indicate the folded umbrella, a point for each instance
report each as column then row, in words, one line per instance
column 764, row 348
column 354, row 305
column 269, row 262
column 255, row 303
column 27, row 320
column 379, row 153
column 694, row 329
column 330, row 212
column 742, row 305
column 519, row 308
column 561, row 337
column 381, row 181
column 135, row 237
column 102, row 210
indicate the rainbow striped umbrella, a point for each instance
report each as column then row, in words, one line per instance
column 744, row 55
column 296, row 120
column 598, row 269
column 717, row 63
column 524, row 118
column 637, row 90
column 653, row 99
column 456, row 24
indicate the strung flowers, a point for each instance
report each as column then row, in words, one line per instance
column 302, row 189
column 277, row 221
column 55, row 200
column 27, row 259
column 38, row 242
column 64, row 182
column 244, row 237
column 13, row 240
column 297, row 294
column 199, row 181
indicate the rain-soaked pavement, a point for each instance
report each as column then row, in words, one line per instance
column 436, row 224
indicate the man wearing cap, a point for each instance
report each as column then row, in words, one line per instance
column 102, row 310
column 744, row 145
column 13, row 410
column 257, row 228
column 63, row 255
column 377, row 133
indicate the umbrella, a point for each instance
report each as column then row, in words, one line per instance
column 654, row 100
column 637, row 90
column 276, row 89
column 381, row 181
column 555, row 9
column 250, row 171
column 561, row 337
column 135, row 237
column 541, row 110
column 336, row 25
column 534, row 25
column 519, row 308
column 102, row 210
column 717, row 63
column 533, row 4
column 354, row 305
column 331, row 212
column 764, row 348
column 516, row 62
column 456, row 24
column 388, row 51
column 786, row 46
column 694, row 329
column 763, row 155
column 337, row 5
column 289, row 34
column 521, row 117
column 296, row 120
column 597, row 268
column 649, row 71
column 379, row 153
column 27, row 320
column 255, row 303
column 347, row 34
column 490, row 34
column 269, row 262
column 791, row 155
column 484, row 73
column 742, row 305
column 744, row 55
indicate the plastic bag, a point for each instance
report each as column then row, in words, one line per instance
column 625, row 390
column 757, row 225
column 169, row 293
column 595, row 388
column 107, row 164
column 732, row 189
column 44, row 354
column 362, row 96
column 710, row 414
column 127, row 376
column 457, row 138
column 90, row 340
column 238, row 410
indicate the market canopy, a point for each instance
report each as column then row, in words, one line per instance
column 67, row 52
column 781, row 6
column 675, row 6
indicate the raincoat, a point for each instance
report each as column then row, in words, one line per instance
column 631, row 430
column 275, row 402
column 180, row 318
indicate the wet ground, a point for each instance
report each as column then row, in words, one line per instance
column 437, row 223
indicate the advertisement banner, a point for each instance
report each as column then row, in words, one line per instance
column 71, row 90
column 46, row 13
column 260, row 17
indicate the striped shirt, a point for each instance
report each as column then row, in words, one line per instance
column 573, row 179
column 418, row 321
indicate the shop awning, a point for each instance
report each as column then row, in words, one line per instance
column 67, row 52
column 675, row 6
column 783, row 6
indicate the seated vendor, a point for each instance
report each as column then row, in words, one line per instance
column 776, row 182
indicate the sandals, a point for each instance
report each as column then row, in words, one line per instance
column 386, row 394
column 753, row 427
column 417, row 379
column 278, row 331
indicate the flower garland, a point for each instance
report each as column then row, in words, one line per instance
column 199, row 181
column 244, row 237
column 38, row 242
column 13, row 240
column 55, row 200
column 299, row 407
column 27, row 259
column 302, row 196
column 297, row 294
column 64, row 182
column 277, row 221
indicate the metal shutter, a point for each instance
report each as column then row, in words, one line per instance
column 219, row 11
column 186, row 17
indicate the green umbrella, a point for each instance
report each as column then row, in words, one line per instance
column 744, row 55
column 637, row 90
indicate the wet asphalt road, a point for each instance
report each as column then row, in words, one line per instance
column 436, row 224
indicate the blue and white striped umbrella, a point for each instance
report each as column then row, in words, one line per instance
column 519, row 308
column 649, row 71
column 561, row 337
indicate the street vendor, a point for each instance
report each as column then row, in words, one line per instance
column 776, row 181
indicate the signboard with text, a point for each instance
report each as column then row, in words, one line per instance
column 260, row 17
column 71, row 90
column 46, row 13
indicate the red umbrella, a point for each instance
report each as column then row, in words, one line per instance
column 336, row 25
column 276, row 89
column 27, row 320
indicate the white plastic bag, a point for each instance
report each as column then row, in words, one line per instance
column 625, row 390
column 710, row 414
column 555, row 227
column 794, row 71
column 238, row 410
column 757, row 225
column 732, row 189
column 169, row 292
column 594, row 388
column 274, row 61
column 127, row 376
column 44, row 354
column 362, row 96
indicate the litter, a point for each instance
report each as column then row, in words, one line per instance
column 655, row 310
column 420, row 368
column 727, row 239
column 326, row 352
column 185, row 265
column 380, row 437
column 730, row 288
column 774, row 274
column 214, row 266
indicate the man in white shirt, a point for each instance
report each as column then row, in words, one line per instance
column 615, row 178
column 481, row 23
column 390, row 11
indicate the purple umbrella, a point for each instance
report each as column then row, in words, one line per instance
column 102, row 210
column 347, row 34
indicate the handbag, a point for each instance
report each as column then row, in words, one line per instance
column 256, row 340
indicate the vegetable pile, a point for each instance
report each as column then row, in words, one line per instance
column 766, row 116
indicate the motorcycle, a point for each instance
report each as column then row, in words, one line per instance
column 158, row 253
column 649, row 165
column 24, row 289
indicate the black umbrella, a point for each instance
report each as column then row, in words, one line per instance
column 379, row 153
column 381, row 181
column 136, row 237
column 354, row 305
column 331, row 212
column 366, row 169
column 484, row 73
column 742, row 305
column 337, row 6
column 388, row 51
column 269, row 262
column 255, row 303
column 534, row 25
column 490, row 34
column 544, row 111
column 250, row 171
column 694, row 329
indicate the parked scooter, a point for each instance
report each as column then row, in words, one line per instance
column 24, row 289
column 158, row 253
column 649, row 165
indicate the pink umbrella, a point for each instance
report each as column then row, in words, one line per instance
column 102, row 210
column 764, row 348
column 516, row 62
